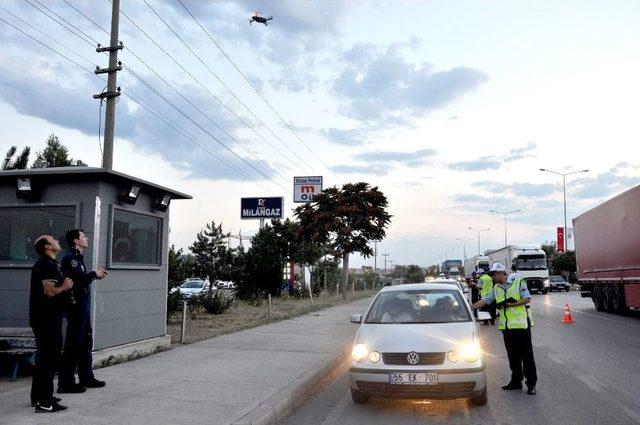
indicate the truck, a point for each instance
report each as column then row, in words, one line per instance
column 607, row 239
column 473, row 263
column 528, row 261
column 447, row 265
column 454, row 273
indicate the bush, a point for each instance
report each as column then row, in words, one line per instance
column 174, row 303
column 214, row 302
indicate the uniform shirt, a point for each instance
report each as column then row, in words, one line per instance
column 524, row 292
column 512, row 277
column 44, row 310
column 73, row 267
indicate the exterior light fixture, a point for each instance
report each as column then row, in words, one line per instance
column 24, row 189
column 132, row 195
column 163, row 204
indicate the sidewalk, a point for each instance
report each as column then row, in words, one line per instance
column 256, row 376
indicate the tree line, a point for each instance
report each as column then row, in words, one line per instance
column 55, row 154
column 323, row 234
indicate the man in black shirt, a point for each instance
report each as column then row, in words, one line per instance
column 45, row 318
column 78, row 344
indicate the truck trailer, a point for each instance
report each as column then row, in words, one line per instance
column 529, row 261
column 608, row 253
column 472, row 264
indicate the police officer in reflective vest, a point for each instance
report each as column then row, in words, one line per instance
column 512, row 299
column 79, row 338
column 486, row 284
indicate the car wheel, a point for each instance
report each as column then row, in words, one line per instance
column 480, row 400
column 545, row 292
column 596, row 296
column 617, row 298
column 607, row 299
column 358, row 397
column 568, row 288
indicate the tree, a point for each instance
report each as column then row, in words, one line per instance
column 415, row 274
column 19, row 163
column 180, row 267
column 346, row 219
column 565, row 262
column 55, row 155
column 208, row 250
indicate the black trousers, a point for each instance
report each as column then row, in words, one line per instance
column 475, row 296
column 48, row 347
column 78, row 345
column 520, row 354
column 491, row 309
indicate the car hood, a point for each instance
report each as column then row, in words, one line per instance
column 419, row 337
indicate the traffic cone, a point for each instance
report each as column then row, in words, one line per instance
column 567, row 315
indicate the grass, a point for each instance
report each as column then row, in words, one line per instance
column 243, row 315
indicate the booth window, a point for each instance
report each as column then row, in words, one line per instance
column 22, row 225
column 136, row 239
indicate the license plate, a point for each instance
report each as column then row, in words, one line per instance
column 413, row 378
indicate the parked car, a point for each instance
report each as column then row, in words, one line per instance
column 418, row 341
column 193, row 287
column 557, row 283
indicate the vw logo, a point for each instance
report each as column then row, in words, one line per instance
column 413, row 358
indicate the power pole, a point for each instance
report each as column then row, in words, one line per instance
column 112, row 91
column 375, row 257
column 385, row 262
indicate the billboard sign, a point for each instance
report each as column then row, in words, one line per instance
column 305, row 188
column 255, row 208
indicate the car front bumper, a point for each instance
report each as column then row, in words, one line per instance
column 452, row 383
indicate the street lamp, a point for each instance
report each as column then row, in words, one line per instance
column 505, row 213
column 478, row 230
column 564, row 194
column 464, row 246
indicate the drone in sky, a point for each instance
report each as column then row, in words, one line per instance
column 257, row 17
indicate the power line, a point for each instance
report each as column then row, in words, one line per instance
column 148, row 84
column 91, row 73
column 60, row 17
column 253, row 86
column 224, row 84
column 195, row 79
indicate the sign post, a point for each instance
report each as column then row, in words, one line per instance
column 305, row 188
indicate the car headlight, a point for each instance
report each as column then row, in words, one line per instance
column 470, row 352
column 453, row 356
column 545, row 282
column 374, row 357
column 359, row 353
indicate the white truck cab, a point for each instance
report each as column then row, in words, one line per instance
column 528, row 261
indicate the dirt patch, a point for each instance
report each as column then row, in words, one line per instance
column 243, row 315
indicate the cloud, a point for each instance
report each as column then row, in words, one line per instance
column 371, row 169
column 484, row 163
column 345, row 137
column 532, row 190
column 603, row 185
column 379, row 84
column 406, row 158
column 521, row 152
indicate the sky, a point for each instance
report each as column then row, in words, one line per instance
column 449, row 107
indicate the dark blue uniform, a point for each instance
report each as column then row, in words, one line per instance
column 79, row 339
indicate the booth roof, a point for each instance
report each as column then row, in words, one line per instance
column 88, row 173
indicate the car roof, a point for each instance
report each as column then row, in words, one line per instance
column 420, row 286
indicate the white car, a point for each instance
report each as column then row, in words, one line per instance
column 193, row 287
column 418, row 341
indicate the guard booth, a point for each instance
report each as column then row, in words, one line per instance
column 126, row 218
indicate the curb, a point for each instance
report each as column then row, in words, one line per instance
column 287, row 400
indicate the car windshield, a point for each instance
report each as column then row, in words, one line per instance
column 531, row 262
column 419, row 306
column 556, row 279
column 192, row 284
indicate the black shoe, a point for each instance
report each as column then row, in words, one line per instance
column 531, row 391
column 49, row 407
column 53, row 399
column 94, row 383
column 71, row 389
column 512, row 386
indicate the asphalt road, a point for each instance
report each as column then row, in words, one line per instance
column 588, row 373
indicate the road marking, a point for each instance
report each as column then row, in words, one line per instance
column 592, row 382
column 335, row 417
column 557, row 358
column 632, row 413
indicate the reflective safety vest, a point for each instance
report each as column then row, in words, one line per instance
column 487, row 284
column 512, row 317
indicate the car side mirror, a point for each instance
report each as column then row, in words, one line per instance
column 483, row 316
column 356, row 318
